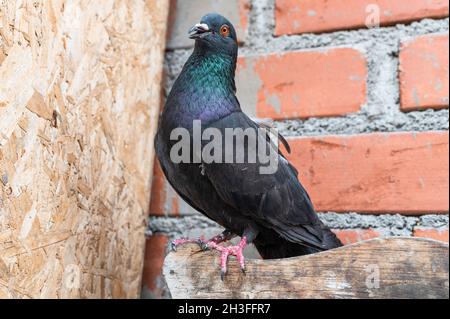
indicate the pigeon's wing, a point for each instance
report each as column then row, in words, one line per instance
column 267, row 125
column 171, row 175
column 275, row 200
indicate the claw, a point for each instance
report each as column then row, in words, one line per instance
column 230, row 250
column 176, row 242
column 204, row 246
column 225, row 251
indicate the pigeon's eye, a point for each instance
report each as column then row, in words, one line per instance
column 225, row 30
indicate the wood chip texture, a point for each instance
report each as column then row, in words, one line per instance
column 79, row 99
column 390, row 268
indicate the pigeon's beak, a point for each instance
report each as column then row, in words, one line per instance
column 199, row 31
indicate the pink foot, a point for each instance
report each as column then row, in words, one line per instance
column 224, row 236
column 227, row 251
column 218, row 239
column 177, row 242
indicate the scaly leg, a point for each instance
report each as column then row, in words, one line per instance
column 248, row 236
column 227, row 251
column 182, row 241
column 222, row 237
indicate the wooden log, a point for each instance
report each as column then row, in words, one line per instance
column 396, row 267
column 79, row 101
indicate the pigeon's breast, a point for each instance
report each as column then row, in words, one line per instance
column 204, row 103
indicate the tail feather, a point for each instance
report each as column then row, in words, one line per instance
column 283, row 248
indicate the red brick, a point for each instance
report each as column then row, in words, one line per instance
column 351, row 236
column 424, row 72
column 153, row 263
column 293, row 16
column 303, row 84
column 374, row 173
column 382, row 172
column 159, row 193
column 433, row 233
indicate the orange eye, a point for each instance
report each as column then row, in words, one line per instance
column 225, row 30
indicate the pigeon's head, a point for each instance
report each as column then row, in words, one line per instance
column 215, row 34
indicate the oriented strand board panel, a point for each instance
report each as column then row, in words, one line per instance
column 79, row 99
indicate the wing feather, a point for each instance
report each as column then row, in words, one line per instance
column 277, row 200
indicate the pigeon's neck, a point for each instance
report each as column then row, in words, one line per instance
column 214, row 71
column 205, row 89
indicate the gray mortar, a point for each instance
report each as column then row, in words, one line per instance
column 434, row 221
column 178, row 227
column 360, row 123
column 395, row 225
column 261, row 24
column 354, row 220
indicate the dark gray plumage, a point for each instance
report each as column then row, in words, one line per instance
column 273, row 211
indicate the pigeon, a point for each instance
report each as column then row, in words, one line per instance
column 272, row 210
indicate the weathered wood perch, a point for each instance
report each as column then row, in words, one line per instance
column 397, row 267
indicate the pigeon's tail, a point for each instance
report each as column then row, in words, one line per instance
column 284, row 249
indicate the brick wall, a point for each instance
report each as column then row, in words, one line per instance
column 365, row 110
